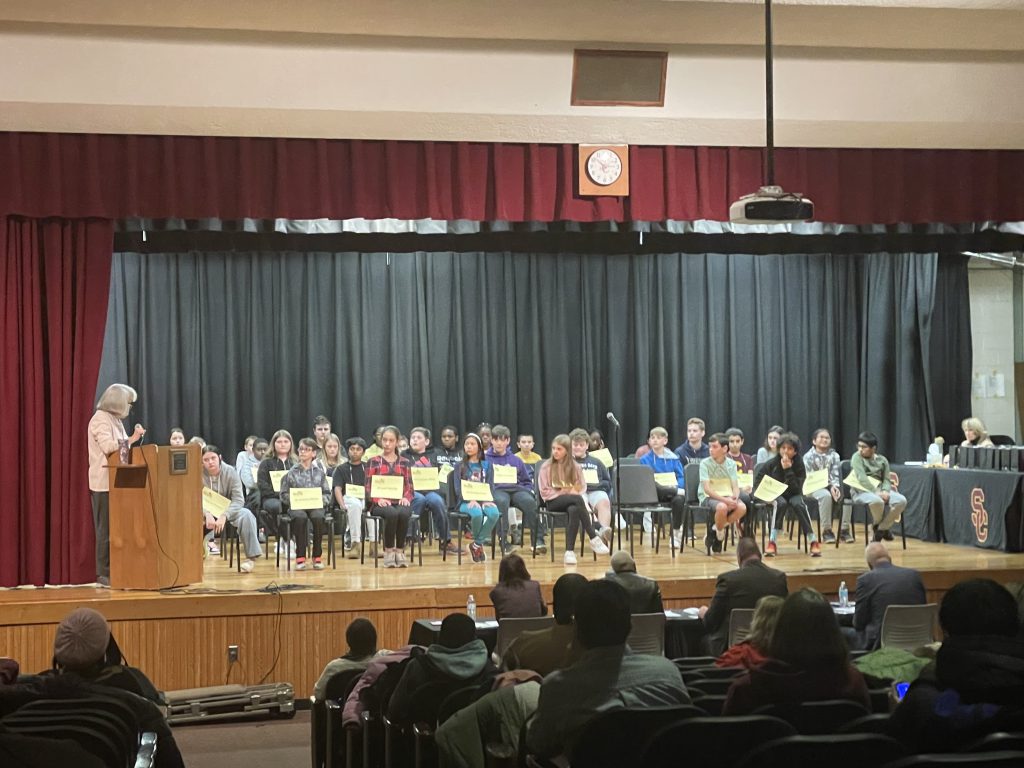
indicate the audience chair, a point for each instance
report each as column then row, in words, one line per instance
column 814, row 718
column 639, row 496
column 1009, row 759
column 647, row 635
column 879, row 700
column 858, row 750
column 716, row 673
column 713, row 742
column 712, row 704
column 325, row 719
column 619, row 737
column 695, row 662
column 95, row 730
column 908, row 626
column 510, row 629
column 877, row 722
column 710, row 686
column 997, row 742
column 739, row 624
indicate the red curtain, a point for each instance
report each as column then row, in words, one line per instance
column 111, row 176
column 54, row 282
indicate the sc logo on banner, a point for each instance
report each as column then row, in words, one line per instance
column 979, row 515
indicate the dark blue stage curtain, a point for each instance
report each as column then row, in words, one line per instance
column 226, row 344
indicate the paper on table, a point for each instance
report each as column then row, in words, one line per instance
column 815, row 481
column 213, row 503
column 387, row 487
column 306, row 498
column 769, row 489
column 604, row 456
column 475, row 491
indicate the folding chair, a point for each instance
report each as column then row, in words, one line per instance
column 639, row 496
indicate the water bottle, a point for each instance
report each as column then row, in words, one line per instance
column 844, row 595
column 471, row 607
column 934, row 457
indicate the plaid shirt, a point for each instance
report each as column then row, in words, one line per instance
column 377, row 466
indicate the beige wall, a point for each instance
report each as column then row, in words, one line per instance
column 992, row 334
column 219, row 81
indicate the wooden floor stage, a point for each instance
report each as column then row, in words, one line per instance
column 180, row 638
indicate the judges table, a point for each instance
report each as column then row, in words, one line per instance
column 963, row 506
column 683, row 631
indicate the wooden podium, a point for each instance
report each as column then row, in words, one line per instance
column 156, row 520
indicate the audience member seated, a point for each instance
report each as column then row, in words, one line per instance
column 516, row 595
column 741, row 588
column 85, row 646
column 883, row 585
column 608, row 676
column 753, row 651
column 694, row 449
column 308, row 473
column 644, row 593
column 561, row 485
column 545, row 650
column 223, row 480
column 808, row 660
column 361, row 637
column 976, row 684
column 9, row 669
column 357, row 700
column 458, row 658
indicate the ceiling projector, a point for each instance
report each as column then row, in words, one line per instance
column 771, row 205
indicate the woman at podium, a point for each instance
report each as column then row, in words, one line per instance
column 106, row 435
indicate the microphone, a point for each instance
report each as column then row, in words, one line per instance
column 142, row 438
column 611, row 417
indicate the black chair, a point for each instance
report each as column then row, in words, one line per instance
column 879, row 700
column 863, row 508
column 720, row 673
column 231, row 545
column 1002, row 440
column 548, row 518
column 997, row 742
column 712, row 704
column 424, row 731
column 721, row 741
column 457, row 520
column 857, row 750
column 691, row 475
column 874, row 723
column 710, row 687
column 96, row 731
column 1011, row 759
column 694, row 662
column 618, row 737
column 814, row 718
column 413, row 533
column 325, row 742
column 639, row 497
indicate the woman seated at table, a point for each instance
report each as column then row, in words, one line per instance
column 808, row 660
column 516, row 595
column 975, row 433
column 396, row 512
column 753, row 650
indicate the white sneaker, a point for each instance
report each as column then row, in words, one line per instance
column 606, row 535
column 390, row 560
column 570, row 557
column 247, row 566
column 621, row 523
column 598, row 545
column 677, row 538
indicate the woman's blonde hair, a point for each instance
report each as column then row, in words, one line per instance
column 563, row 473
column 117, row 399
column 762, row 624
column 273, row 448
column 976, row 425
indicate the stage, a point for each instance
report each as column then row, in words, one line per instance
column 288, row 624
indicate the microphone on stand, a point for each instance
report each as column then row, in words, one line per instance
column 611, row 417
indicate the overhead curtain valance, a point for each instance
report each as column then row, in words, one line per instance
column 113, row 176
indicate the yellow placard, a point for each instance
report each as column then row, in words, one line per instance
column 373, row 450
column 355, row 491
column 505, row 474
column 387, row 487
column 815, row 481
column 213, row 503
column 275, row 478
column 744, row 480
column 475, row 491
column 590, row 476
column 721, row 485
column 852, row 481
column 770, row 489
column 425, row 479
column 443, row 470
column 604, row 456
column 668, row 479
column 306, row 498
column 254, row 470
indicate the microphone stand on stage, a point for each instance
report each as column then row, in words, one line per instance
column 616, row 510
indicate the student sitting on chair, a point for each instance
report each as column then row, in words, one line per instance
column 787, row 468
column 223, row 480
column 562, row 486
column 518, row 494
column 395, row 511
column 350, row 493
column 599, row 482
column 422, row 455
column 306, row 474
column 872, row 471
column 483, row 514
column 662, row 461
column 719, row 491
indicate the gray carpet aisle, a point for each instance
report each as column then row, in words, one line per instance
column 246, row 744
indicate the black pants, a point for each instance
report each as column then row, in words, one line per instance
column 300, row 530
column 101, row 523
column 797, row 506
column 675, row 500
column 396, row 523
column 522, row 500
column 578, row 515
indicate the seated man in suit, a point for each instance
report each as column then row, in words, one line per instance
column 608, row 675
column 741, row 588
column 644, row 593
column 545, row 650
column 883, row 585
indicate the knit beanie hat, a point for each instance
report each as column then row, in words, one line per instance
column 82, row 639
